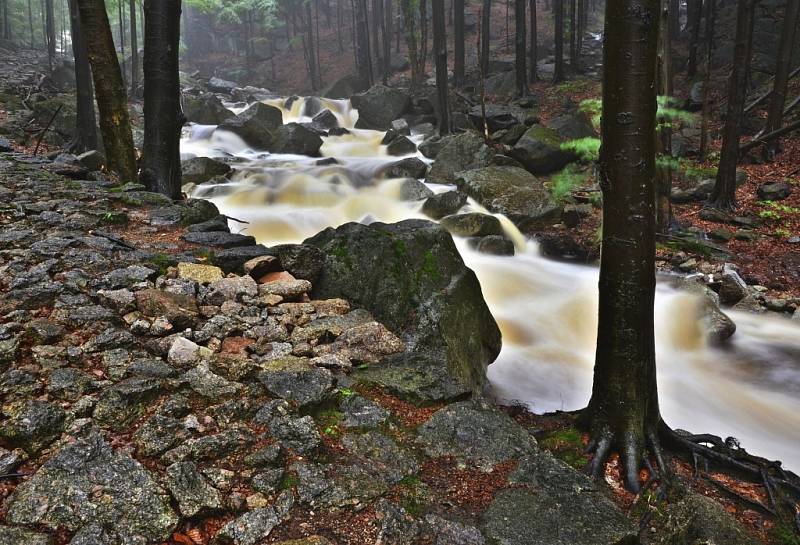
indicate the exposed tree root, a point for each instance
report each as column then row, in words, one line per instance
column 633, row 457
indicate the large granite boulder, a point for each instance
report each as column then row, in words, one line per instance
column 465, row 151
column 255, row 125
column 514, row 192
column 379, row 106
column 199, row 170
column 410, row 276
column 297, row 139
column 205, row 109
column 539, row 150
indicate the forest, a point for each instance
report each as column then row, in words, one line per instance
column 399, row 272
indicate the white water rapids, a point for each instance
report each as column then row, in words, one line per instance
column 547, row 310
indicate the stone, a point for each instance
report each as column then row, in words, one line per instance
column 191, row 489
column 122, row 300
column 513, row 192
column 207, row 384
column 475, row 431
column 88, row 482
column 461, row 152
column 219, row 239
column 493, row 245
column 231, row 289
column 325, row 120
column 121, row 404
column 158, row 434
column 732, row 288
column 401, row 146
column 184, row 353
column 360, row 412
column 20, row 536
column 297, row 434
column 289, row 289
column 344, row 87
column 539, row 150
column 472, row 224
column 774, row 191
column 410, row 167
column 32, row 425
column 300, row 260
column 296, row 380
column 254, row 526
column 498, row 117
column 431, row 146
column 255, row 125
column 449, row 532
column 199, row 170
column 232, row 259
column 219, row 85
column 365, row 343
column 92, row 160
column 205, row 109
column 259, row 266
column 573, row 126
column 296, row 138
column 217, row 223
column 180, row 310
column 202, row 274
column 414, row 190
column 379, row 106
column 443, row 204
column 697, row 520
column 420, row 290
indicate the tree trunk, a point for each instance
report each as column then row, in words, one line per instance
column 486, row 20
column 386, row 34
column 695, row 9
column 674, row 14
column 782, row 68
column 573, row 42
column 519, row 42
column 6, row 21
column 558, row 7
column 723, row 196
column 623, row 412
column 534, row 53
column 134, row 51
column 377, row 17
column 458, row 43
column 440, row 56
column 51, row 32
column 364, row 63
column 122, row 36
column 30, row 21
column 86, row 127
column 163, row 118
column 112, row 101
column 664, row 174
column 711, row 12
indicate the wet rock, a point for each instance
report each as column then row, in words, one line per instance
column 297, row 434
column 205, row 109
column 697, row 520
column 202, row 274
column 297, row 139
column 472, row 224
column 431, row 146
column 88, row 482
column 732, row 288
column 207, row 384
column 493, row 245
column 218, row 223
column 421, row 290
column 774, row 191
column 325, row 120
column 565, row 247
column 366, row 343
column 410, row 167
column 180, row 310
column 513, row 192
column 443, row 204
column 184, row 353
column 199, row 170
column 32, row 425
column 465, row 151
column 191, row 489
column 296, row 380
column 94, row 534
column 219, row 239
column 69, row 383
column 414, row 190
column 255, row 125
column 401, row 146
column 498, row 117
column 539, row 150
column 232, row 259
column 379, row 106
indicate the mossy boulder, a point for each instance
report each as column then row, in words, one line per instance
column 461, row 152
column 379, row 106
column 410, row 276
column 540, row 151
column 205, row 109
column 255, row 125
column 514, row 192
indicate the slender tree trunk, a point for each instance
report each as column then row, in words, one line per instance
column 163, row 118
column 723, row 196
column 122, row 36
column 458, row 43
column 112, row 101
column 377, row 17
column 664, row 174
column 695, row 15
column 558, row 6
column 30, row 21
column 782, row 69
column 339, row 23
column 86, row 126
column 580, row 30
column 388, row 13
column 674, row 13
column 710, row 17
column 134, row 50
column 6, row 21
column 573, row 39
column 519, row 42
column 623, row 412
column 534, row 53
column 364, row 63
column 486, row 21
column 51, row 32
column 423, row 40
column 752, row 18
column 440, row 56
column 411, row 42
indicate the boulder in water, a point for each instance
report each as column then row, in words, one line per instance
column 325, row 120
column 401, row 145
column 205, row 109
column 255, row 125
column 219, row 85
column 514, row 192
column 296, row 138
column 540, row 151
column 444, row 204
column 379, row 106
column 465, row 151
column 410, row 167
column 472, row 224
column 421, row 290
column 199, row 170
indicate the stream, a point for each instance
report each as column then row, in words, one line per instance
column 546, row 310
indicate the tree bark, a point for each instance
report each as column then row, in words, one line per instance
column 695, row 9
column 110, row 94
column 163, row 118
column 364, row 62
column 623, row 412
column 573, row 43
column 723, row 196
column 558, row 18
column 458, row 43
column 665, row 84
column 440, row 55
column 710, row 17
column 486, row 19
column 134, row 50
column 86, row 127
column 534, row 53
column 519, row 43
column 782, row 68
column 121, row 12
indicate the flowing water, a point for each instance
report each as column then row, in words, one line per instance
column 547, row 310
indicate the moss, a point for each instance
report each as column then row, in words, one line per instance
column 429, row 268
column 413, row 495
column 162, row 262
column 340, row 251
column 782, row 534
column 329, row 420
column 114, row 218
column 567, row 446
column 288, row 482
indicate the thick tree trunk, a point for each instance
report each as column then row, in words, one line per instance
column 486, row 21
column 782, row 69
column 163, row 118
column 112, row 101
column 86, row 126
column 534, row 53
column 723, row 196
column 134, row 50
column 519, row 42
column 51, row 32
column 623, row 412
column 664, row 175
column 458, row 43
column 558, row 18
column 440, row 56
